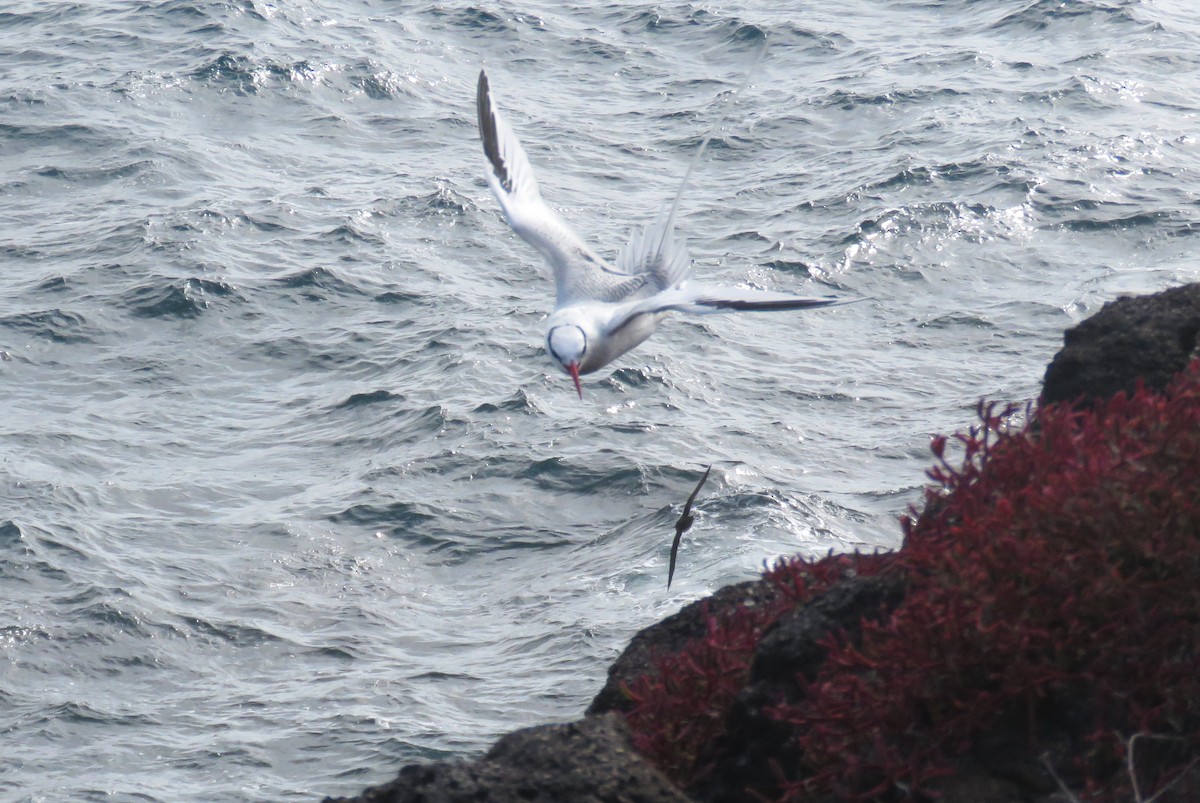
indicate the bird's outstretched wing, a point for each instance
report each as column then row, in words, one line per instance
column 579, row 274
column 655, row 252
column 704, row 299
column 674, row 554
column 687, row 507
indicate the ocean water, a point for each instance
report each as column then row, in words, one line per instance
column 290, row 495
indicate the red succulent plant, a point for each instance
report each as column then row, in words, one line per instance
column 1053, row 591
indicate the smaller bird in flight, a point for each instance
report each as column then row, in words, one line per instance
column 684, row 523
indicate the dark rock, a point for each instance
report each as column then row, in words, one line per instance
column 792, row 645
column 670, row 636
column 790, row 648
column 1005, row 760
column 971, row 784
column 589, row 761
column 1148, row 337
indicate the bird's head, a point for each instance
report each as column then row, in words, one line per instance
column 567, row 344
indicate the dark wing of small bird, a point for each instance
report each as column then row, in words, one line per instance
column 687, row 508
column 674, row 553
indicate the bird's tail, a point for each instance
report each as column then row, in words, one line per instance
column 656, row 250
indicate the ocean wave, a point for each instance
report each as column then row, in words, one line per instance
column 399, row 518
column 284, row 454
column 1039, row 15
column 177, row 299
column 57, row 325
column 318, row 283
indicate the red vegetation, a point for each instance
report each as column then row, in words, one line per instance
column 680, row 709
column 1053, row 592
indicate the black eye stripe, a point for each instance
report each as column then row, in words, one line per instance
column 550, row 344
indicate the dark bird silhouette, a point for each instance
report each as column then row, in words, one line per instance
column 684, row 523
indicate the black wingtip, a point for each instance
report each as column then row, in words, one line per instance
column 487, row 131
column 769, row 306
column 481, row 92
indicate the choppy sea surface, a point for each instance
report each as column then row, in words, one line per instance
column 290, row 495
